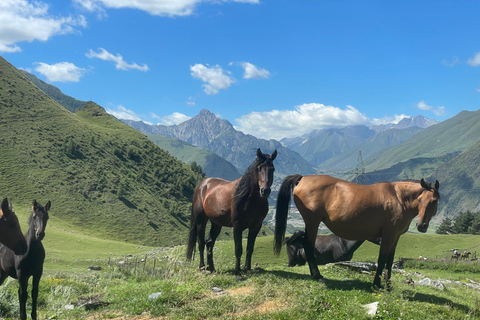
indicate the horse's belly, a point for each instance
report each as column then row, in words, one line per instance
column 354, row 231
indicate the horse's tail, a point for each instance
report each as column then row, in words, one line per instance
column 192, row 235
column 281, row 214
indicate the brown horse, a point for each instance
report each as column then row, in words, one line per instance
column 356, row 212
column 240, row 204
column 10, row 232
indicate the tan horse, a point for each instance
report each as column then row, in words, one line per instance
column 11, row 235
column 241, row 204
column 356, row 212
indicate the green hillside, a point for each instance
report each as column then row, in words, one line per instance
column 53, row 92
column 461, row 182
column 102, row 176
column 450, row 136
column 212, row 165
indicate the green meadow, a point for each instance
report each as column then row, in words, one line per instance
column 69, row 290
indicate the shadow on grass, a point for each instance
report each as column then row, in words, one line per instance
column 423, row 297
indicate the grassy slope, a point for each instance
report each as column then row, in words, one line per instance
column 277, row 292
column 453, row 135
column 212, row 165
column 103, row 177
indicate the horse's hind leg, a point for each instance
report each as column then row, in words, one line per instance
column 201, row 225
column 252, row 236
column 212, row 237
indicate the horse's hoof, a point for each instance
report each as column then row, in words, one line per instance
column 239, row 278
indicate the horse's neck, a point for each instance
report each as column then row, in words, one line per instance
column 407, row 194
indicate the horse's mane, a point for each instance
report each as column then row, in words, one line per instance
column 246, row 183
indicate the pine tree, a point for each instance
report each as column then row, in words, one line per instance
column 446, row 227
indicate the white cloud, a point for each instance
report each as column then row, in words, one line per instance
column 253, row 72
column 304, row 118
column 215, row 78
column 452, row 63
column 437, row 111
column 389, row 119
column 60, row 72
column 168, row 8
column 120, row 64
column 174, row 118
column 475, row 61
column 123, row 113
column 25, row 21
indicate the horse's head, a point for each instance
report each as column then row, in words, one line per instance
column 428, row 203
column 38, row 219
column 10, row 232
column 264, row 174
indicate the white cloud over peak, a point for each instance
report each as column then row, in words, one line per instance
column 436, row 110
column 123, row 113
column 215, row 77
column 253, row 72
column 120, row 64
column 168, row 8
column 174, row 118
column 22, row 20
column 389, row 119
column 474, row 61
column 60, row 72
column 304, row 118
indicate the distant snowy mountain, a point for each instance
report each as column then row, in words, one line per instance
column 405, row 123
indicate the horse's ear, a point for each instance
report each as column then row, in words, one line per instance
column 34, row 204
column 5, row 206
column 437, row 184
column 424, row 184
column 274, row 155
column 48, row 205
column 259, row 153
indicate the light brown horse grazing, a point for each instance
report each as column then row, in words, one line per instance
column 356, row 212
column 11, row 234
column 240, row 204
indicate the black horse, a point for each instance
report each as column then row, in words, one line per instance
column 22, row 267
column 241, row 204
column 328, row 248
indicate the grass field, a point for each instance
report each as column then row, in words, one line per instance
column 272, row 291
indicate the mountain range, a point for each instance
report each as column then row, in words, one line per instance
column 414, row 148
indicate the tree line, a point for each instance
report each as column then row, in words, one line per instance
column 465, row 222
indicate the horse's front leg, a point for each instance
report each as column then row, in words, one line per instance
column 389, row 264
column 22, row 296
column 387, row 252
column 35, row 284
column 252, row 236
column 237, row 237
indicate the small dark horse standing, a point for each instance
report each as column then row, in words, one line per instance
column 356, row 212
column 10, row 232
column 241, row 204
column 329, row 248
column 22, row 267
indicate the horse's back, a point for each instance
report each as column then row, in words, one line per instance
column 214, row 198
column 352, row 211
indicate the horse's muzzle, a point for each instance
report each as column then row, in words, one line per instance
column 422, row 227
column 265, row 192
column 40, row 235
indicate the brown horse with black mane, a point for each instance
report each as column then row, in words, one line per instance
column 11, row 234
column 241, row 204
column 356, row 212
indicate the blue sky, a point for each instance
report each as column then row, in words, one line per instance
column 272, row 68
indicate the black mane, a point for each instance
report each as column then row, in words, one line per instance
column 247, row 182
